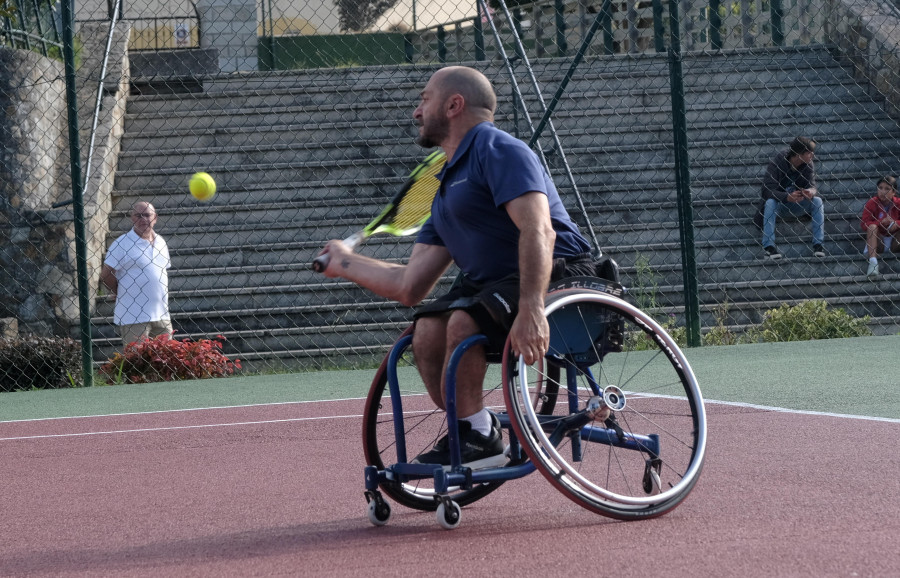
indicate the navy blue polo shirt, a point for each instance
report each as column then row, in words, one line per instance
column 490, row 168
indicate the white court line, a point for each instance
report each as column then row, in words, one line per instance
column 180, row 410
column 357, row 416
column 179, row 427
column 802, row 411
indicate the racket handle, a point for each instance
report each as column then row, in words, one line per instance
column 321, row 262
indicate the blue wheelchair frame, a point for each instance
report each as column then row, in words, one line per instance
column 465, row 477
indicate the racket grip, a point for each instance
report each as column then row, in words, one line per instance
column 320, row 263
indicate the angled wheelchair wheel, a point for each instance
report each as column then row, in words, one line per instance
column 627, row 435
column 423, row 425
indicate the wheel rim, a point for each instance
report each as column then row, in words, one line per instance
column 663, row 399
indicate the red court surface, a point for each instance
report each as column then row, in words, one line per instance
column 277, row 490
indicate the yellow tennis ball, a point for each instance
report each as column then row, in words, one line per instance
column 202, row 186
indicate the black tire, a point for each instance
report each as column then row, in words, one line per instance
column 424, row 425
column 623, row 347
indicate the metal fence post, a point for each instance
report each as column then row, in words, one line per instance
column 609, row 47
column 84, row 306
column 659, row 31
column 777, row 13
column 683, row 183
column 562, row 45
column 715, row 24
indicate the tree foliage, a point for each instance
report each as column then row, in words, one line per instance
column 359, row 15
column 7, row 8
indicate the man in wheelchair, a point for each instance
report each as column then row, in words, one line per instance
column 499, row 218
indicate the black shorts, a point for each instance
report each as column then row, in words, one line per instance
column 494, row 305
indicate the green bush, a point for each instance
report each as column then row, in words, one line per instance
column 806, row 321
column 33, row 362
column 720, row 334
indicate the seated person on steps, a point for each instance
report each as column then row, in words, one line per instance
column 881, row 221
column 499, row 217
column 789, row 188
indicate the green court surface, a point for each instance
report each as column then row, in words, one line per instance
column 859, row 376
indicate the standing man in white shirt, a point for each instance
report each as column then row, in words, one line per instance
column 136, row 271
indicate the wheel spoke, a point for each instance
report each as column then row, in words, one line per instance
column 605, row 342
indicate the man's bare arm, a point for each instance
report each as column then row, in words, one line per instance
column 108, row 278
column 408, row 284
column 530, row 333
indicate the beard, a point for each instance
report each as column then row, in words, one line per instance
column 432, row 133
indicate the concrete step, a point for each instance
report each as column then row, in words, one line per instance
column 726, row 132
column 571, row 111
column 354, row 150
column 283, row 134
column 298, row 241
column 343, row 194
column 588, row 165
column 717, row 263
column 548, row 69
column 352, row 214
column 607, row 91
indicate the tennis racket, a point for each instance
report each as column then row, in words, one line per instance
column 407, row 211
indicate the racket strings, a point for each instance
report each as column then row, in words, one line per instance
column 415, row 206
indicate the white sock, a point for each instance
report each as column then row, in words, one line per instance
column 873, row 260
column 481, row 422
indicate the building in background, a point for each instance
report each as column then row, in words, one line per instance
column 169, row 24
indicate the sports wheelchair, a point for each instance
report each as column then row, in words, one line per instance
column 612, row 416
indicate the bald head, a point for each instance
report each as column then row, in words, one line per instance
column 143, row 216
column 473, row 86
column 142, row 207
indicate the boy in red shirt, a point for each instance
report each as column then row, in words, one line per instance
column 881, row 220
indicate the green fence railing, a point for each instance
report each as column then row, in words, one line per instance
column 31, row 25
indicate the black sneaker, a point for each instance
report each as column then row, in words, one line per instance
column 478, row 451
column 772, row 253
column 818, row 251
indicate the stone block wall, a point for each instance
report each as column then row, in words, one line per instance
column 229, row 27
column 33, row 175
column 38, row 280
column 33, row 134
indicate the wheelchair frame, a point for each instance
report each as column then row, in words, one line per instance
column 590, row 327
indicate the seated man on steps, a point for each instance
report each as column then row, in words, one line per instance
column 789, row 188
column 881, row 222
column 499, row 217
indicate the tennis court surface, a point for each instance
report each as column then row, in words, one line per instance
column 263, row 476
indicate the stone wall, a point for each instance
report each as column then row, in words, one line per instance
column 38, row 283
column 230, row 27
column 33, row 176
column 32, row 131
column 867, row 34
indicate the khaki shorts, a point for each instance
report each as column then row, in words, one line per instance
column 133, row 332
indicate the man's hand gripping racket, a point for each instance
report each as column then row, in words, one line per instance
column 407, row 211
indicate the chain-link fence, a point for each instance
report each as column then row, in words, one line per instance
column 301, row 112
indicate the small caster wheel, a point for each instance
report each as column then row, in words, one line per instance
column 652, row 484
column 655, row 483
column 379, row 512
column 448, row 514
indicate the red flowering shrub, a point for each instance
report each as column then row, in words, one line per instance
column 165, row 359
